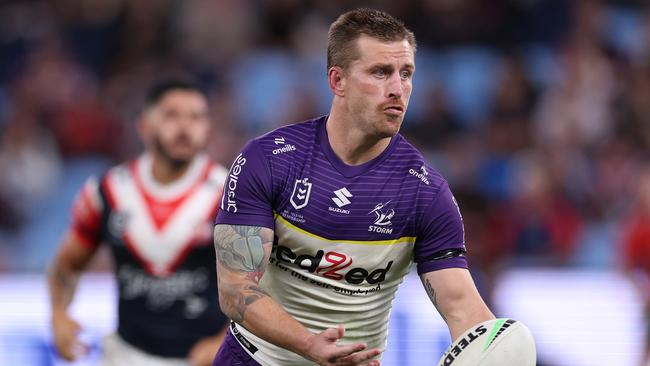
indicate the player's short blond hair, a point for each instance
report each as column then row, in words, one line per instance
column 343, row 33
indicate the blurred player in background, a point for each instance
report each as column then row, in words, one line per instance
column 320, row 221
column 637, row 250
column 156, row 214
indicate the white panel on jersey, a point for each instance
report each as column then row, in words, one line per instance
column 324, row 282
column 160, row 248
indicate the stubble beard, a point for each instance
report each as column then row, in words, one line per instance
column 173, row 162
column 389, row 126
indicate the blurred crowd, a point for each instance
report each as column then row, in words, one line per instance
column 537, row 112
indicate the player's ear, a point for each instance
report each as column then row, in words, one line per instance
column 336, row 80
column 143, row 126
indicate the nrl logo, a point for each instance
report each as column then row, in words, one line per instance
column 300, row 194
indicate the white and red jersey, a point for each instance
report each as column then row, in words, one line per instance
column 161, row 240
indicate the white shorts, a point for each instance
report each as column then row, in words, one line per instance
column 116, row 352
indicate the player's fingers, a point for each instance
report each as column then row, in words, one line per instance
column 371, row 363
column 80, row 349
column 68, row 356
column 359, row 357
column 75, row 325
column 330, row 334
column 66, row 351
column 341, row 329
column 66, row 341
column 344, row 351
column 65, row 346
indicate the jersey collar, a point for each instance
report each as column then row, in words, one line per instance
column 346, row 170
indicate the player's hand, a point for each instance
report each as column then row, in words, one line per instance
column 325, row 351
column 203, row 351
column 65, row 331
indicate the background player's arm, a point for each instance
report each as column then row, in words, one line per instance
column 71, row 259
column 203, row 351
column 242, row 258
column 453, row 293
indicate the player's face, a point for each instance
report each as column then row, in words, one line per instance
column 378, row 85
column 178, row 125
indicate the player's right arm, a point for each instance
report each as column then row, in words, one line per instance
column 75, row 252
column 242, row 258
column 63, row 275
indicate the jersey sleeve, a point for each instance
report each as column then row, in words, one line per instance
column 440, row 239
column 86, row 214
column 247, row 192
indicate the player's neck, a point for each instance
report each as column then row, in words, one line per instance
column 166, row 172
column 350, row 144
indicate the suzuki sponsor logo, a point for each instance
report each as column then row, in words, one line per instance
column 283, row 149
column 382, row 219
column 300, row 194
column 231, row 186
column 342, row 196
column 421, row 175
column 338, row 210
column 333, row 265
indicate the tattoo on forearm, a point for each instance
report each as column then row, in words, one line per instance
column 244, row 296
column 240, row 249
column 432, row 296
column 65, row 283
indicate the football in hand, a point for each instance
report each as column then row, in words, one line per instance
column 496, row 342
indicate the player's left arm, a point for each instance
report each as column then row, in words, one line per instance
column 453, row 293
column 442, row 266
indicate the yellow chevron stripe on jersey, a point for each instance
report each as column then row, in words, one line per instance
column 402, row 240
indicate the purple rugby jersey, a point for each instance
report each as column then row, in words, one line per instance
column 345, row 235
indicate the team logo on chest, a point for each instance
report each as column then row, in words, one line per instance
column 300, row 194
column 383, row 215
